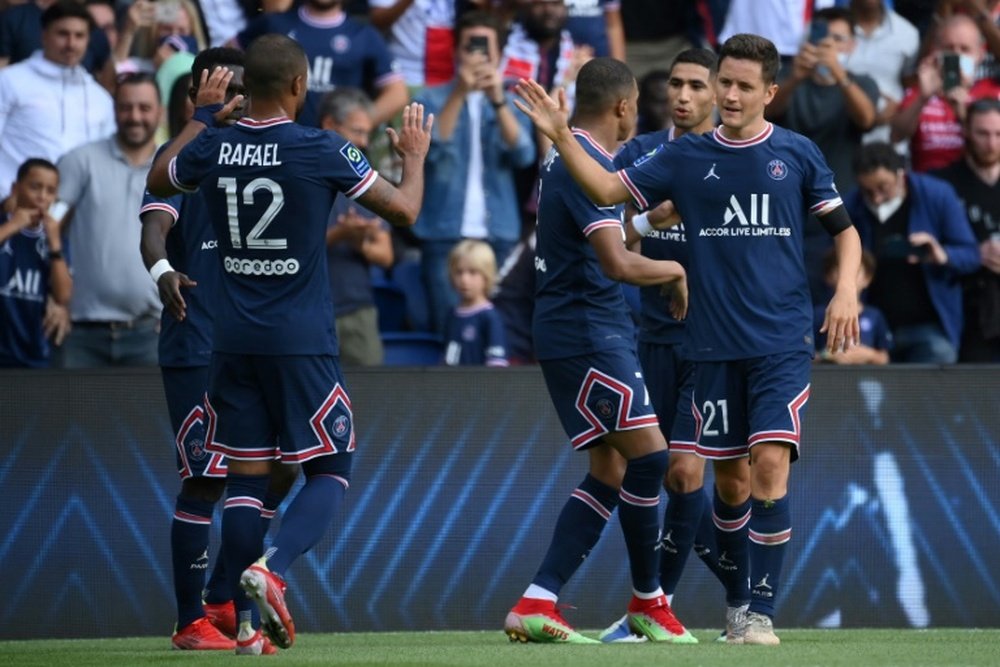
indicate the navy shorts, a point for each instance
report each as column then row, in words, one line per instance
column 670, row 378
column 740, row 403
column 292, row 408
column 185, row 390
column 599, row 393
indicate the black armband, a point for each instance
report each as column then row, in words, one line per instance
column 835, row 221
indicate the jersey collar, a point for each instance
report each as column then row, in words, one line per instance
column 261, row 124
column 744, row 143
column 586, row 135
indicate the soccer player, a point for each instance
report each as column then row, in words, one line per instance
column 177, row 231
column 585, row 342
column 276, row 393
column 743, row 192
column 687, row 520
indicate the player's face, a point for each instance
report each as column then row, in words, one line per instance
column 691, row 95
column 881, row 185
column 742, row 94
column 470, row 284
column 626, row 125
column 236, row 87
column 982, row 138
column 137, row 113
column 65, row 41
column 38, row 189
column 356, row 128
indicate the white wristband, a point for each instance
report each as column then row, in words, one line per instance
column 162, row 266
column 640, row 223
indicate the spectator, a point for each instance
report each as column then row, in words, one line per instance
column 341, row 51
column 539, row 46
column 930, row 117
column 421, row 36
column 597, row 24
column 885, row 48
column 115, row 307
column 654, row 33
column 355, row 240
column 478, row 140
column 976, row 179
column 915, row 227
column 21, row 36
column 49, row 103
column 147, row 24
column 820, row 99
column 32, row 266
column 781, row 21
column 654, row 104
column 876, row 339
column 986, row 14
column 474, row 333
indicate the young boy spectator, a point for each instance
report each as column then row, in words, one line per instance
column 474, row 332
column 876, row 339
column 32, row 266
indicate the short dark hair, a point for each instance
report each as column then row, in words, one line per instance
column 983, row 106
column 272, row 61
column 209, row 59
column 34, row 163
column 64, row 9
column 756, row 49
column 478, row 18
column 835, row 14
column 137, row 79
column 341, row 101
column 877, row 155
column 600, row 83
column 704, row 57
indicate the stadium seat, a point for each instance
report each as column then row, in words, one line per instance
column 412, row 349
column 407, row 276
column 391, row 303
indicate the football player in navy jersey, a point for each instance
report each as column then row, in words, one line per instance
column 342, row 51
column 177, row 229
column 687, row 520
column 276, row 393
column 585, row 343
column 743, row 192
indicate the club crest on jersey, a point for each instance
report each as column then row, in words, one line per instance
column 340, row 44
column 646, row 157
column 340, row 425
column 605, row 408
column 357, row 159
column 777, row 169
column 196, row 449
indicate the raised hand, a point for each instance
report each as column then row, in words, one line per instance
column 414, row 137
column 550, row 116
column 170, row 285
column 212, row 90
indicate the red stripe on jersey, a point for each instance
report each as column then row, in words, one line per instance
column 594, row 226
column 640, row 201
column 743, row 143
column 593, row 142
column 362, row 186
column 160, row 206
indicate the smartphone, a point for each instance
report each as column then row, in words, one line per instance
column 951, row 74
column 899, row 247
column 58, row 210
column 818, row 30
column 167, row 11
column 478, row 44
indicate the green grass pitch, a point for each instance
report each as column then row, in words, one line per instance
column 800, row 648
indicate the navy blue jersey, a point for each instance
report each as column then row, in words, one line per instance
column 744, row 206
column 587, row 24
column 24, row 284
column 475, row 337
column 578, row 309
column 340, row 51
column 191, row 250
column 268, row 187
column 656, row 324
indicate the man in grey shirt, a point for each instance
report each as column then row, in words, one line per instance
column 115, row 307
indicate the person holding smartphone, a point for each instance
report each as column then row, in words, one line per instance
column 479, row 141
column 916, row 227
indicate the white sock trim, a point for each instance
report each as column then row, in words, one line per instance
column 648, row 596
column 539, row 593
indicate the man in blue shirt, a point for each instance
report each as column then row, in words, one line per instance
column 742, row 192
column 585, row 343
column 276, row 393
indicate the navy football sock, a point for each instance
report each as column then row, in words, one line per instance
column 640, row 518
column 705, row 545
column 770, row 532
column 271, row 503
column 577, row 530
column 680, row 524
column 734, row 552
column 242, row 540
column 308, row 517
column 217, row 589
column 189, row 532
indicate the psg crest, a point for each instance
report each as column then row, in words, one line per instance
column 777, row 169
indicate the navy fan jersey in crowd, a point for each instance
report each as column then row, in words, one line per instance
column 475, row 337
column 340, row 51
column 744, row 205
column 24, row 284
column 656, row 324
column 269, row 187
column 191, row 250
column 578, row 309
column 588, row 25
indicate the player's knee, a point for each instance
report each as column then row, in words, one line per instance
column 282, row 478
column 684, row 475
column 732, row 491
column 337, row 465
column 205, row 489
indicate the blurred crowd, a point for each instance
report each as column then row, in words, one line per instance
column 901, row 96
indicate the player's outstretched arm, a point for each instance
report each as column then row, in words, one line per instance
column 551, row 117
column 400, row 205
column 621, row 264
column 210, row 99
column 841, row 321
column 156, row 225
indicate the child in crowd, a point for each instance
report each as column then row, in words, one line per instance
column 876, row 339
column 474, row 332
column 32, row 266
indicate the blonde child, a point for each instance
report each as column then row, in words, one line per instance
column 876, row 339
column 474, row 333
